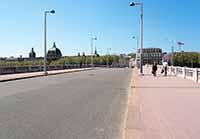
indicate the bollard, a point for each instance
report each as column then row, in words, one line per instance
column 184, row 72
column 196, row 76
column 176, row 71
column 170, row 70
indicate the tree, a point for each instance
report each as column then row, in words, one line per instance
column 133, row 55
column 188, row 59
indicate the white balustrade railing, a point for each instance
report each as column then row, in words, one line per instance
column 186, row 73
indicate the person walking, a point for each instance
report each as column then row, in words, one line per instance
column 165, row 64
column 154, row 68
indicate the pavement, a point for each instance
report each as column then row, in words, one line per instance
column 163, row 108
column 81, row 105
column 11, row 77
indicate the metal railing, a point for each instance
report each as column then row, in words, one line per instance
column 39, row 68
column 186, row 73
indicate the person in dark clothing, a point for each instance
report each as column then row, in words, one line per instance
column 154, row 69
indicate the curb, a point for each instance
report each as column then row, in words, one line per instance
column 41, row 75
column 125, row 117
column 70, row 71
column 132, row 117
column 21, row 78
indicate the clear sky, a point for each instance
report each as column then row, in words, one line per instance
column 113, row 22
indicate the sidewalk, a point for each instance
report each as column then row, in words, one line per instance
column 10, row 77
column 163, row 108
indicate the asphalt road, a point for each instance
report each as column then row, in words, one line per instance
column 85, row 105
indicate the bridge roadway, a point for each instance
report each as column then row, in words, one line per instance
column 85, row 105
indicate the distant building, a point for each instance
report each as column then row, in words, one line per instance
column 32, row 54
column 149, row 55
column 12, row 58
column 54, row 53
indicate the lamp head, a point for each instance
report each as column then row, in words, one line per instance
column 53, row 12
column 132, row 4
column 95, row 38
column 180, row 43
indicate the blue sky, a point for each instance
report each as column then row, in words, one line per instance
column 113, row 22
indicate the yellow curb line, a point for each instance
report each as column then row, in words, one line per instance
column 132, row 104
column 127, row 104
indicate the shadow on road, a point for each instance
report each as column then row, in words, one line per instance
column 186, row 87
column 158, row 75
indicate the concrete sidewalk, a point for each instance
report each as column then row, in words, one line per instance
column 163, row 108
column 11, row 77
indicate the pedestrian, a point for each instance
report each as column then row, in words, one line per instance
column 165, row 65
column 154, row 68
column 164, row 68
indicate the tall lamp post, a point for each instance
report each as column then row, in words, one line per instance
column 45, row 40
column 137, row 46
column 107, row 57
column 180, row 44
column 141, row 31
column 92, row 43
column 172, row 58
column 137, row 39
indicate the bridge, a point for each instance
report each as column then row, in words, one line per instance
column 102, row 103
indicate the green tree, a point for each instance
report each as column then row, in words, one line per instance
column 188, row 59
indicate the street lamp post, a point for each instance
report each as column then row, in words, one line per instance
column 172, row 58
column 137, row 46
column 45, row 40
column 180, row 44
column 92, row 42
column 107, row 57
column 141, row 32
column 137, row 39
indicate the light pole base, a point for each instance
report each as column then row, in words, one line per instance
column 45, row 73
column 141, row 74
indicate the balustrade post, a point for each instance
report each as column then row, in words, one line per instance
column 184, row 72
column 176, row 71
column 196, row 75
column 170, row 70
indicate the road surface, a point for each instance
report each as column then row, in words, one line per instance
column 85, row 105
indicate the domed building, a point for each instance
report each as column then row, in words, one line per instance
column 32, row 54
column 54, row 53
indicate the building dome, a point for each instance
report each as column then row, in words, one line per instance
column 32, row 54
column 54, row 53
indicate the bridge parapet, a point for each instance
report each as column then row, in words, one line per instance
column 186, row 73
